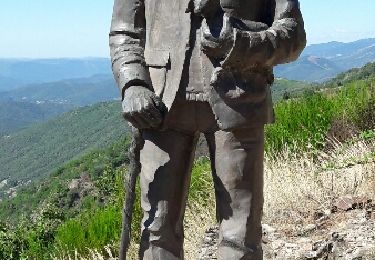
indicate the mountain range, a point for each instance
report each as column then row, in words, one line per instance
column 37, row 102
column 321, row 62
column 35, row 90
column 318, row 62
column 19, row 72
column 75, row 92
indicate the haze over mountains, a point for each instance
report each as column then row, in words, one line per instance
column 36, row 90
column 37, row 102
column 74, row 92
column 320, row 62
column 15, row 73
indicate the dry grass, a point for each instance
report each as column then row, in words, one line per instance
column 93, row 255
column 197, row 221
column 295, row 186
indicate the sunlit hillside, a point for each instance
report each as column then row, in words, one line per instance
column 320, row 148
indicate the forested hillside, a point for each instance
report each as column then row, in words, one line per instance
column 366, row 72
column 33, row 152
column 88, row 188
column 285, row 89
column 16, row 115
column 78, row 207
column 77, row 161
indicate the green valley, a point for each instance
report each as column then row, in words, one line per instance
column 16, row 115
column 33, row 152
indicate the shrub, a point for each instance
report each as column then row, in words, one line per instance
column 93, row 229
column 302, row 124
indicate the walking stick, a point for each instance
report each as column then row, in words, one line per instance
column 130, row 183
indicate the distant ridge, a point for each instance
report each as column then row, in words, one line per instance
column 366, row 72
column 318, row 62
column 74, row 91
column 38, row 102
column 321, row 62
column 17, row 72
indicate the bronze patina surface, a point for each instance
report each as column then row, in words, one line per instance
column 186, row 67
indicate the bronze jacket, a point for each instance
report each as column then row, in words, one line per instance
column 149, row 40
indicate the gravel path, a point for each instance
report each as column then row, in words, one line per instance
column 346, row 235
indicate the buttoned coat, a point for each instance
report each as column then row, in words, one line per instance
column 149, row 40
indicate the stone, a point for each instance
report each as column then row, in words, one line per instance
column 311, row 255
column 344, row 203
column 267, row 229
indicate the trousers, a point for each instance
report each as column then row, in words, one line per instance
column 237, row 167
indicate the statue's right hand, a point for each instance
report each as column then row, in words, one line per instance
column 142, row 108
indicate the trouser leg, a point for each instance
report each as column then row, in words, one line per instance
column 166, row 160
column 239, row 190
column 210, row 139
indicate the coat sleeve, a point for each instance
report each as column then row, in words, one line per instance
column 282, row 42
column 127, row 41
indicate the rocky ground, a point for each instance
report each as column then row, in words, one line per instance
column 345, row 231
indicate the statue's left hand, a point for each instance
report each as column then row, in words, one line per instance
column 218, row 47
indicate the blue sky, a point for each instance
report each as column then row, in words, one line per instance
column 79, row 28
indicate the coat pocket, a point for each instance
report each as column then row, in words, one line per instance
column 157, row 62
column 235, row 87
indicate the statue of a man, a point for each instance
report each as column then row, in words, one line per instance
column 186, row 67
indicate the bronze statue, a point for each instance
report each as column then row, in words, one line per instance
column 186, row 67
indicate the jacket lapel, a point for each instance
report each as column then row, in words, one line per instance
column 178, row 52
